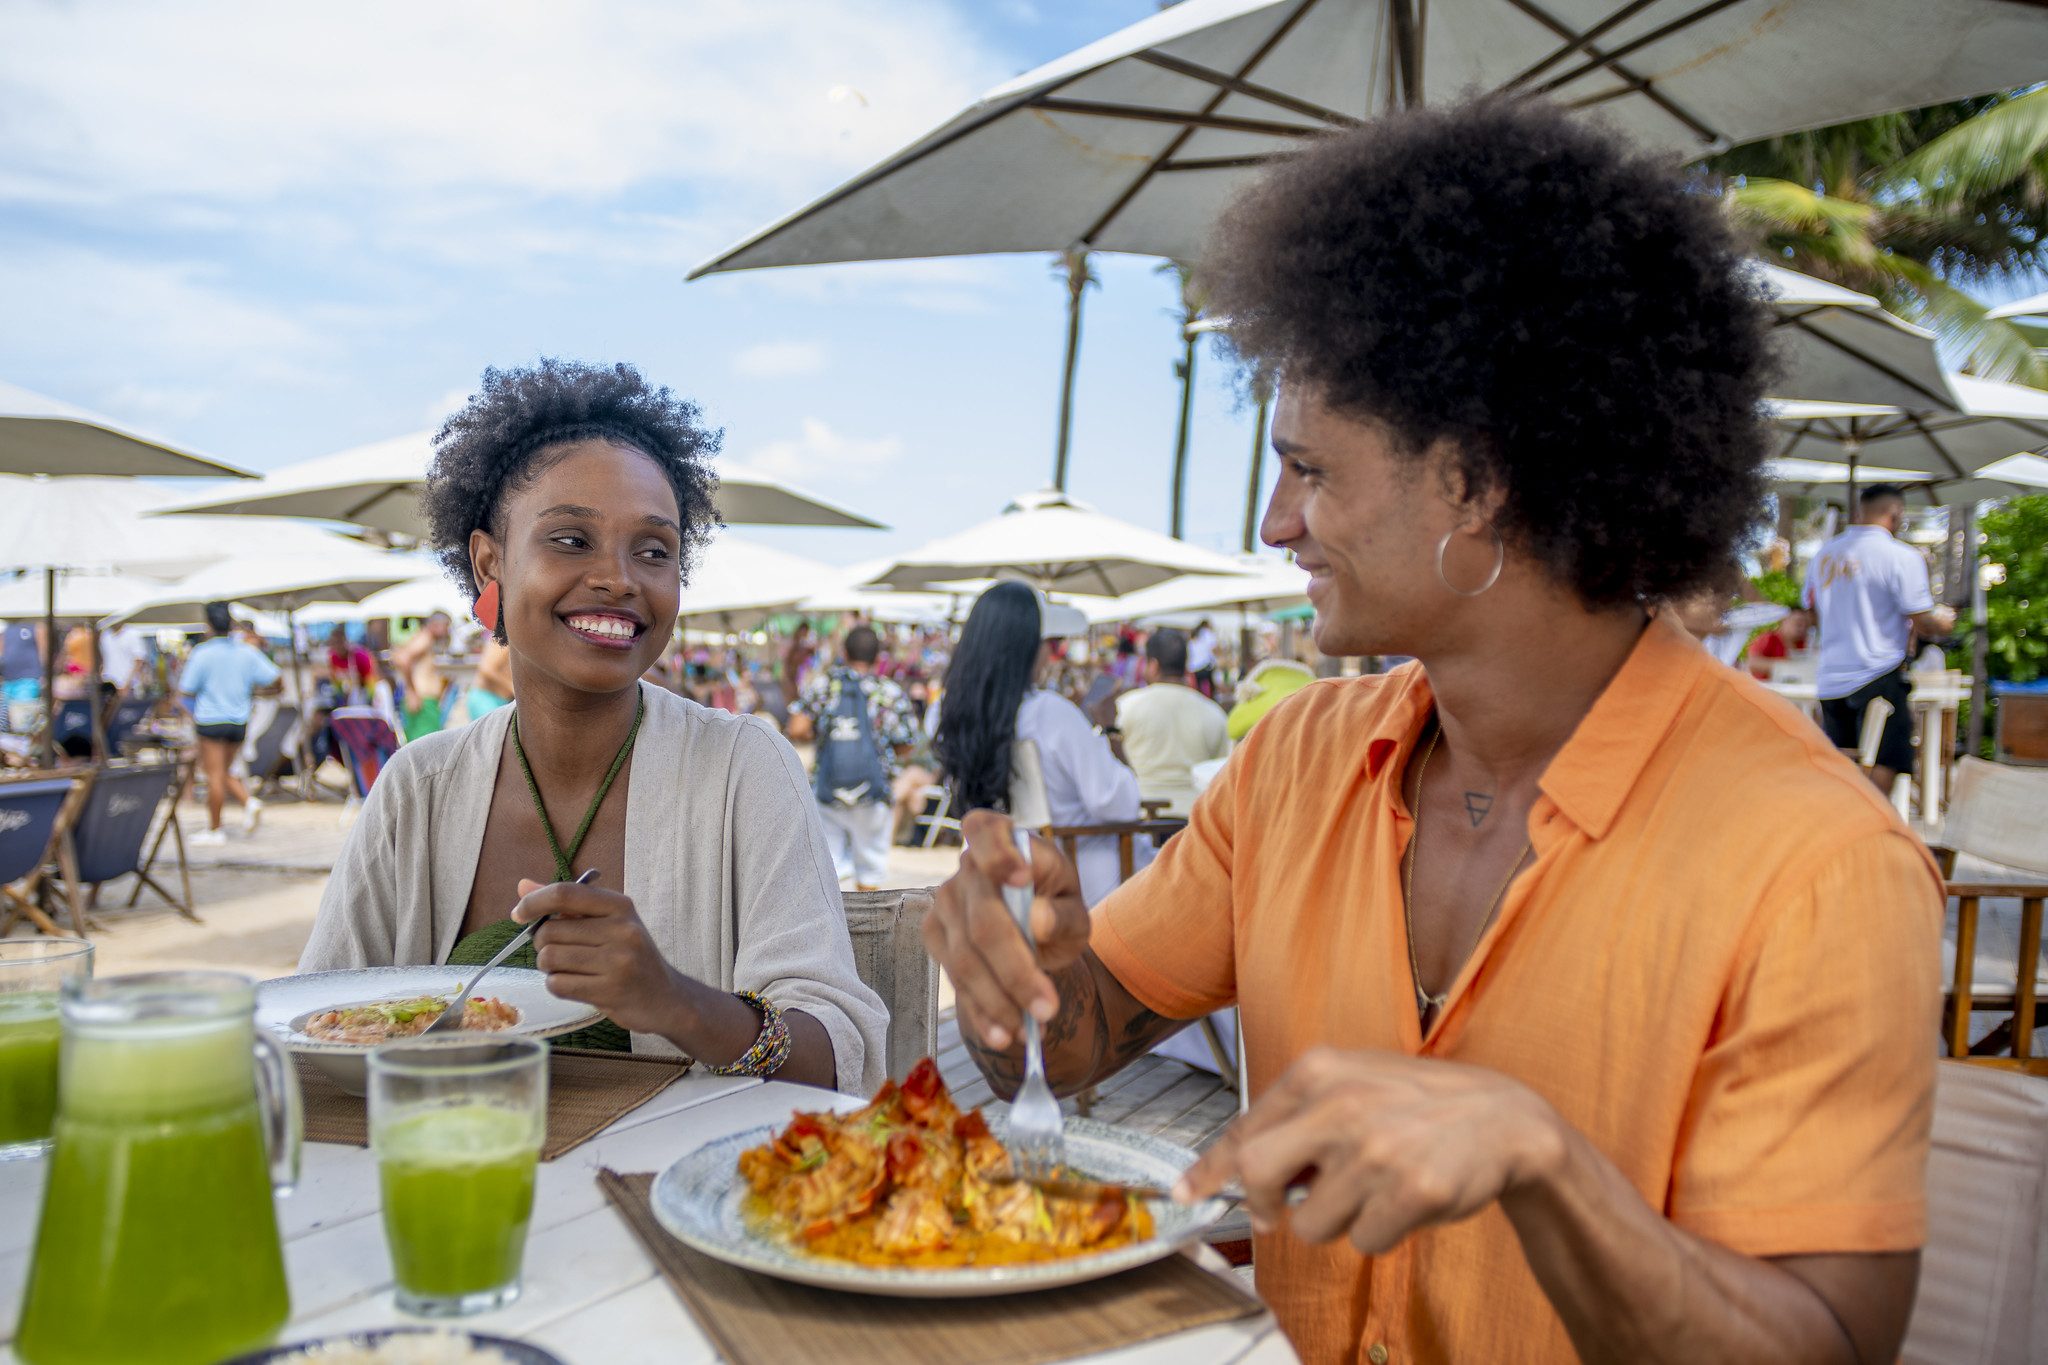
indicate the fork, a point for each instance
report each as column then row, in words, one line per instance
column 1037, row 1131
column 451, row 1018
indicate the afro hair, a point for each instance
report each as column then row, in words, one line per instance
column 1568, row 314
column 502, row 437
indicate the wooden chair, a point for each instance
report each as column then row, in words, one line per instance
column 35, row 815
column 887, row 928
column 113, row 824
column 1995, row 813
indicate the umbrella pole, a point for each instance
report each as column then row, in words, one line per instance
column 1407, row 21
column 50, row 647
column 92, row 693
column 1979, row 642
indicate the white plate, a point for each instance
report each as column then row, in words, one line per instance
column 284, row 1004
column 699, row 1200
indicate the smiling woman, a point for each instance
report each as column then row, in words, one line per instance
column 567, row 501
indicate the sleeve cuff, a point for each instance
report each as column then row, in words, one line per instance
column 1154, row 991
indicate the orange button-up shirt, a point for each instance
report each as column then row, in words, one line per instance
column 1722, row 969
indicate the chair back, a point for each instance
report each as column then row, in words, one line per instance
column 270, row 745
column 119, row 812
column 1995, row 813
column 128, row 713
column 28, row 814
column 1984, row 1272
column 1029, row 805
column 887, row 928
column 367, row 743
column 74, row 721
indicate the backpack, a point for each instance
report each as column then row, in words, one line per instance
column 850, row 771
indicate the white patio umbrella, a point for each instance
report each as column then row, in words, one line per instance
column 1985, row 421
column 377, row 486
column 737, row 584
column 40, row 435
column 80, row 597
column 1266, row 584
column 1054, row 542
column 1840, row 346
column 416, row 597
column 1134, row 142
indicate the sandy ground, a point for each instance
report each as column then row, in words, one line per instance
column 257, row 895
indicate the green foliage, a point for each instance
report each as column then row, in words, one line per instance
column 1777, row 586
column 1911, row 207
column 2016, row 535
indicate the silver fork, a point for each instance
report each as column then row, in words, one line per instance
column 451, row 1018
column 1037, row 1133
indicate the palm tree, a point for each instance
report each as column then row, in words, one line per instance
column 1072, row 268
column 1189, row 316
column 1915, row 208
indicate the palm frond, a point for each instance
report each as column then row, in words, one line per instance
column 1990, row 347
column 1986, row 154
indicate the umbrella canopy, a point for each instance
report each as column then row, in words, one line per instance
column 2032, row 306
column 416, row 597
column 377, row 486
column 1055, row 543
column 272, row 583
column 108, row 525
column 1134, row 143
column 2011, row 477
column 1265, row 585
column 80, row 597
column 40, row 435
column 1840, row 346
column 1985, row 421
column 738, row 584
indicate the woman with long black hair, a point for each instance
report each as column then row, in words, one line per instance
column 993, row 700
column 567, row 500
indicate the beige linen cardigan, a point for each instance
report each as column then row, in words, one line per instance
column 725, row 860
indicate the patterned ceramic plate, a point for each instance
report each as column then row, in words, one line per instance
column 404, row 1343
column 698, row 1199
column 284, row 1005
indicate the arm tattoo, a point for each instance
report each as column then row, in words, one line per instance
column 1080, row 1046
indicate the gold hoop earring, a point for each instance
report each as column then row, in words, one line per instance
column 1500, row 560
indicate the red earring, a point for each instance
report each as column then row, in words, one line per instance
column 487, row 607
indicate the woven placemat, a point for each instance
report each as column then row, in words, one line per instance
column 758, row 1320
column 587, row 1093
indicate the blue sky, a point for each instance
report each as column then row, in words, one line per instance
column 273, row 232
column 276, row 231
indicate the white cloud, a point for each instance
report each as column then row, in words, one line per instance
column 242, row 101
column 818, row 455
column 779, row 360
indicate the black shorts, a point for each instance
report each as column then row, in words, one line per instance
column 1842, row 719
column 230, row 734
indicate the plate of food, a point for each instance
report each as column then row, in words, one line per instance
column 404, row 1346
column 910, row 1196
column 334, row 1018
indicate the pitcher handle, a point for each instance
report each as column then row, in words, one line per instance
column 277, row 1087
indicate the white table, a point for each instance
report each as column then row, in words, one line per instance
column 591, row 1296
column 1933, row 700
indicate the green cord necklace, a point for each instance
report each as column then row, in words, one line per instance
column 564, row 859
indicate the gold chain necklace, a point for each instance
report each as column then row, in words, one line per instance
column 1424, row 1001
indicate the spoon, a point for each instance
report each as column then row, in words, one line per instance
column 451, row 1018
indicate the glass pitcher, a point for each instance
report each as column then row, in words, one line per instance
column 158, row 1243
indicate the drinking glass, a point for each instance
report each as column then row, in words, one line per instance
column 457, row 1127
column 177, row 1124
column 31, row 973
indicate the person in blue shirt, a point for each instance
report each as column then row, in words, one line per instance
column 218, row 685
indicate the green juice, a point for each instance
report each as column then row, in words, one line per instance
column 28, row 1066
column 458, row 1195
column 158, row 1243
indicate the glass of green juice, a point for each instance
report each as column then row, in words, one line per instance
column 177, row 1125
column 456, row 1126
column 32, row 971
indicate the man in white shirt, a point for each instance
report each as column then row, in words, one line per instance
column 122, row 654
column 1201, row 665
column 1166, row 727
column 1869, row 593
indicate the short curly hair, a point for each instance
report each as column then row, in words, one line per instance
column 1567, row 312
column 499, row 441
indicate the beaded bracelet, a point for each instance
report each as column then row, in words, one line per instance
column 770, row 1049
